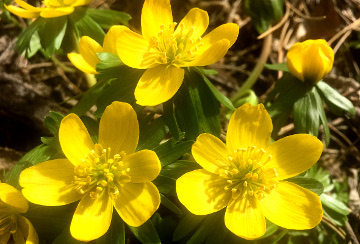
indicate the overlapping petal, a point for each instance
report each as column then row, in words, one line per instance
column 88, row 50
column 202, row 192
column 229, row 31
column 74, row 139
column 49, row 183
column 245, row 218
column 92, row 217
column 81, row 2
column 159, row 84
column 249, row 126
column 137, row 202
column 119, row 128
column 27, row 230
column 12, row 197
column 194, row 24
column 24, row 13
column 56, row 12
column 111, row 37
column 79, row 62
column 292, row 207
column 144, row 166
column 294, row 154
column 211, row 153
column 155, row 13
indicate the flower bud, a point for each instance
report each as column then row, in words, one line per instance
column 311, row 60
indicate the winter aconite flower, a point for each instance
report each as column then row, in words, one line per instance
column 247, row 176
column 102, row 176
column 87, row 59
column 12, row 224
column 311, row 60
column 165, row 47
column 51, row 9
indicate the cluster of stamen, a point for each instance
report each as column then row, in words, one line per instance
column 247, row 176
column 100, row 172
column 175, row 48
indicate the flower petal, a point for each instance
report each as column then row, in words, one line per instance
column 56, row 12
column 119, row 128
column 292, row 207
column 158, row 84
column 210, row 152
column 88, row 49
column 27, row 6
column 249, row 126
column 92, row 217
column 81, row 2
column 295, row 57
column 134, row 50
column 49, row 183
column 111, row 37
column 74, row 139
column 155, row 13
column 229, row 31
column 27, row 230
column 211, row 55
column 23, row 13
column 4, row 238
column 202, row 192
column 245, row 218
column 12, row 197
column 137, row 202
column 144, row 166
column 79, row 62
column 294, row 154
column 195, row 22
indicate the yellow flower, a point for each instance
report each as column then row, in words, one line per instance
column 247, row 176
column 102, row 176
column 87, row 59
column 164, row 50
column 52, row 9
column 12, row 204
column 311, row 60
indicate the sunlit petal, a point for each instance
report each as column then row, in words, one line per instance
column 79, row 62
column 292, row 207
column 12, row 197
column 24, row 13
column 202, row 192
column 56, row 12
column 229, row 31
column 27, row 230
column 111, row 37
column 137, row 202
column 88, row 49
column 194, row 24
column 159, row 84
column 81, row 2
column 26, row 5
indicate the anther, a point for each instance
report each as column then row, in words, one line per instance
column 255, row 177
column 103, row 183
column 245, row 183
column 229, row 181
column 230, row 158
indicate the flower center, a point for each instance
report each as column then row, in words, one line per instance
column 175, row 48
column 247, row 175
column 8, row 221
column 100, row 172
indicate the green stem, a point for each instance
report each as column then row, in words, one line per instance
column 250, row 81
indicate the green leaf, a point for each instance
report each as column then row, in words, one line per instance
column 108, row 18
column 52, row 33
column 34, row 45
column 108, row 61
column 208, row 71
column 187, row 224
column 146, row 233
column 178, row 168
column 334, row 204
column 165, row 185
column 334, row 100
column 323, row 119
column 196, row 108
column 271, row 228
column 116, row 232
column 52, row 122
column 164, row 226
column 151, row 134
column 92, row 127
column 23, row 42
column 170, row 120
column 172, row 150
column 169, row 204
column 66, row 237
column 308, row 183
column 218, row 95
column 277, row 67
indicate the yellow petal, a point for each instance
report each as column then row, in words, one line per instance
column 81, row 2
column 159, row 84
column 92, row 217
column 111, row 37
column 119, row 128
column 137, row 202
column 211, row 55
column 27, row 230
column 210, row 152
column 249, row 126
column 194, row 24
column 295, row 60
column 12, row 197
column 294, row 154
column 245, row 218
column 133, row 49
column 229, row 31
column 56, row 12
column 155, row 13
column 88, row 49
column 22, row 12
column 49, row 183
column 144, row 166
column 293, row 207
column 74, row 139
column 79, row 62
column 27, row 6
column 202, row 192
